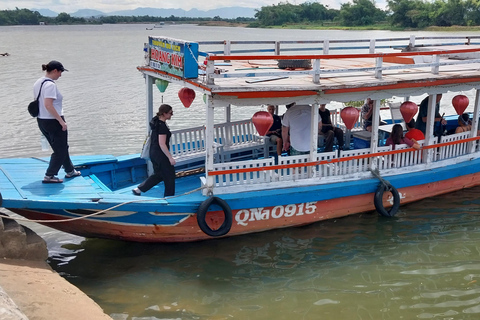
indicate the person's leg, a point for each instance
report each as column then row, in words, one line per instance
column 339, row 136
column 168, row 172
column 329, row 140
column 57, row 139
column 152, row 180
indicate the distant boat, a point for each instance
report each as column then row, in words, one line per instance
column 159, row 25
column 148, row 28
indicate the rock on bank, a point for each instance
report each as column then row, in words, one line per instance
column 31, row 289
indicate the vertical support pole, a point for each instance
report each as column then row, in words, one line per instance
column 228, row 127
column 436, row 66
column 378, row 67
column 209, row 136
column 372, row 46
column 149, row 113
column 277, row 48
column 210, row 69
column 429, row 138
column 412, row 41
column 316, row 71
column 476, row 108
column 326, row 46
column 314, row 132
column 227, row 48
column 375, row 125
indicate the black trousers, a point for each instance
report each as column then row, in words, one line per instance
column 162, row 171
column 330, row 134
column 58, row 140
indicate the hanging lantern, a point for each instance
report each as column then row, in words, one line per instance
column 460, row 103
column 187, row 96
column 161, row 85
column 408, row 109
column 349, row 116
column 262, row 120
column 204, row 98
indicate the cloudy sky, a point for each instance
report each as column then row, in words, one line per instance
column 70, row 6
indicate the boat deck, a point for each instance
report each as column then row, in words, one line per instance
column 21, row 184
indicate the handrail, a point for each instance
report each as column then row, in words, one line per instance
column 342, row 56
column 338, row 160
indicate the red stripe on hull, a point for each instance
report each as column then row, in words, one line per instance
column 249, row 220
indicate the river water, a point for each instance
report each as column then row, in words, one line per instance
column 422, row 264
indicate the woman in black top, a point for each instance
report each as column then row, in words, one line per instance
column 162, row 160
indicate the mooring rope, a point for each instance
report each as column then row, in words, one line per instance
column 376, row 173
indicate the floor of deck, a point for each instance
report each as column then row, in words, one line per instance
column 21, row 180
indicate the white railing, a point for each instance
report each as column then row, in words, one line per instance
column 187, row 142
column 244, row 178
column 455, row 150
column 406, row 159
column 411, row 47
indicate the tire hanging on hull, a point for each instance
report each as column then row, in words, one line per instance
column 202, row 215
column 378, row 200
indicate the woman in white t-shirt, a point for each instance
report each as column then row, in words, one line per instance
column 52, row 123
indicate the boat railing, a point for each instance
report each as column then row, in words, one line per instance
column 453, row 150
column 229, row 47
column 374, row 64
column 349, row 164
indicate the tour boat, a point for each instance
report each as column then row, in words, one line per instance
column 230, row 180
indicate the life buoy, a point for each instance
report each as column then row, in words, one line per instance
column 202, row 213
column 378, row 200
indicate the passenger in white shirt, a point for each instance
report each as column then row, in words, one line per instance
column 296, row 121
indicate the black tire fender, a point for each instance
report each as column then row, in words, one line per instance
column 294, row 63
column 202, row 214
column 1, row 200
column 378, row 200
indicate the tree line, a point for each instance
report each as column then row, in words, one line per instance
column 399, row 13
column 28, row 17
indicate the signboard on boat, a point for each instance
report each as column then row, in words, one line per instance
column 174, row 56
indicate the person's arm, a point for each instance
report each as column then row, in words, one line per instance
column 162, row 142
column 367, row 115
column 286, row 141
column 412, row 143
column 48, row 102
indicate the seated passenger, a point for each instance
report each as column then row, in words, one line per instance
column 413, row 133
column 396, row 137
column 367, row 114
column 329, row 130
column 464, row 123
column 275, row 131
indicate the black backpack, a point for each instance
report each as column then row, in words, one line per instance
column 33, row 107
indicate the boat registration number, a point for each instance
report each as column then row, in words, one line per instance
column 242, row 217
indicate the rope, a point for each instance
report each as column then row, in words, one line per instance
column 102, row 211
column 376, row 173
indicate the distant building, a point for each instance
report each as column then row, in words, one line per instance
column 42, row 23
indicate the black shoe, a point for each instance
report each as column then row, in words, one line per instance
column 136, row 193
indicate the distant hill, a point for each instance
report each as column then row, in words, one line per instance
column 227, row 13
column 87, row 13
column 46, row 12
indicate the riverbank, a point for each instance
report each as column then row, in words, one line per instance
column 42, row 294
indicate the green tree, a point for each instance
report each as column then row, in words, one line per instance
column 409, row 13
column 360, row 13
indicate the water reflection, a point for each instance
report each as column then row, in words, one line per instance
column 421, row 264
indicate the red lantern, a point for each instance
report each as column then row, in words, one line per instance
column 460, row 103
column 187, row 96
column 408, row 109
column 262, row 120
column 349, row 116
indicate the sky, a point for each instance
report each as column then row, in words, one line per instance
column 70, row 6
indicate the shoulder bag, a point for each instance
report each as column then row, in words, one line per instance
column 34, row 107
